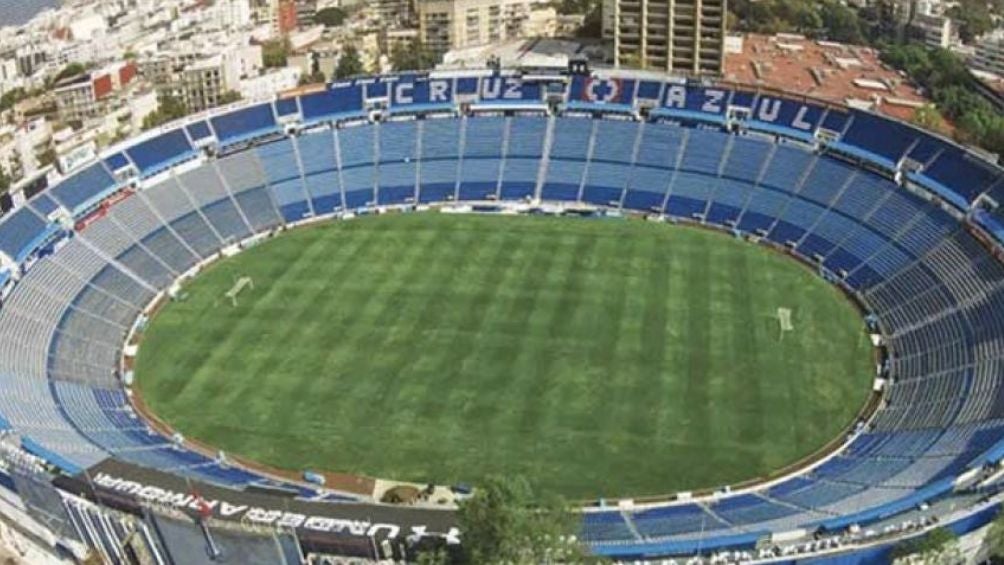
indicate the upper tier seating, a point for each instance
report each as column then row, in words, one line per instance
column 935, row 288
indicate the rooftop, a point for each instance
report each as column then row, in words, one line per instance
column 848, row 74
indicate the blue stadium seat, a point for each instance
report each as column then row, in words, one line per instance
column 20, row 233
column 85, row 188
column 398, row 159
column 161, row 152
column 279, row 161
column 244, row 124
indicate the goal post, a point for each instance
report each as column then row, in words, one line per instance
column 784, row 322
column 239, row 285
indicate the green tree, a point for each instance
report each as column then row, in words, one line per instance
column 433, row 557
column 953, row 89
column 330, row 17
column 349, row 64
column 5, row 181
column 829, row 19
column 275, row 53
column 312, row 78
column 229, row 97
column 499, row 524
column 592, row 26
column 995, row 537
column 412, row 57
column 169, row 108
column 935, row 547
column 73, row 69
column 842, row 23
column 928, row 117
column 47, row 157
column 973, row 17
column 11, row 97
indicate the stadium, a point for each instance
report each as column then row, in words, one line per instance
column 811, row 295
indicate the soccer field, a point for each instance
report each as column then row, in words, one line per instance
column 595, row 357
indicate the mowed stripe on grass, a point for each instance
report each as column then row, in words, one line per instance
column 597, row 358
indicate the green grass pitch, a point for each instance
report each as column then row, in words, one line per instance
column 596, row 358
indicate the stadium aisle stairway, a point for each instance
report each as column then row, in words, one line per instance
column 933, row 286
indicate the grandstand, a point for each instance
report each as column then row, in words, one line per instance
column 908, row 223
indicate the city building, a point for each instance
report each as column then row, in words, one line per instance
column 391, row 12
column 141, row 105
column 314, row 61
column 523, row 53
column 989, row 54
column 82, row 96
column 286, row 17
column 392, row 39
column 608, row 19
column 677, row 36
column 305, row 12
column 846, row 74
column 456, row 24
column 264, row 11
column 204, row 83
column 267, row 84
column 200, row 82
column 230, row 13
column 937, row 31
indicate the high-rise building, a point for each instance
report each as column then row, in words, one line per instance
column 391, row 12
column 989, row 55
column 264, row 11
column 676, row 36
column 286, row 16
column 455, row 24
column 305, row 12
column 938, row 31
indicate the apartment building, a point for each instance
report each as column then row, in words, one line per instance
column 84, row 96
column 456, row 24
column 989, row 55
column 391, row 12
column 675, row 36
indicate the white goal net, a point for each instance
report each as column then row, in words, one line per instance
column 784, row 321
column 239, row 285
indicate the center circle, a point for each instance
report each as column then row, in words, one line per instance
column 597, row 358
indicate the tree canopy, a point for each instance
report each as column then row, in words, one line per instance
column 349, row 63
column 937, row 546
column 5, row 181
column 274, row 53
column 169, row 108
column 70, row 70
column 412, row 57
column 995, row 537
column 928, row 117
column 829, row 19
column 229, row 97
column 504, row 522
column 973, row 18
column 312, row 78
column 47, row 157
column 953, row 90
column 330, row 17
column 11, row 97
